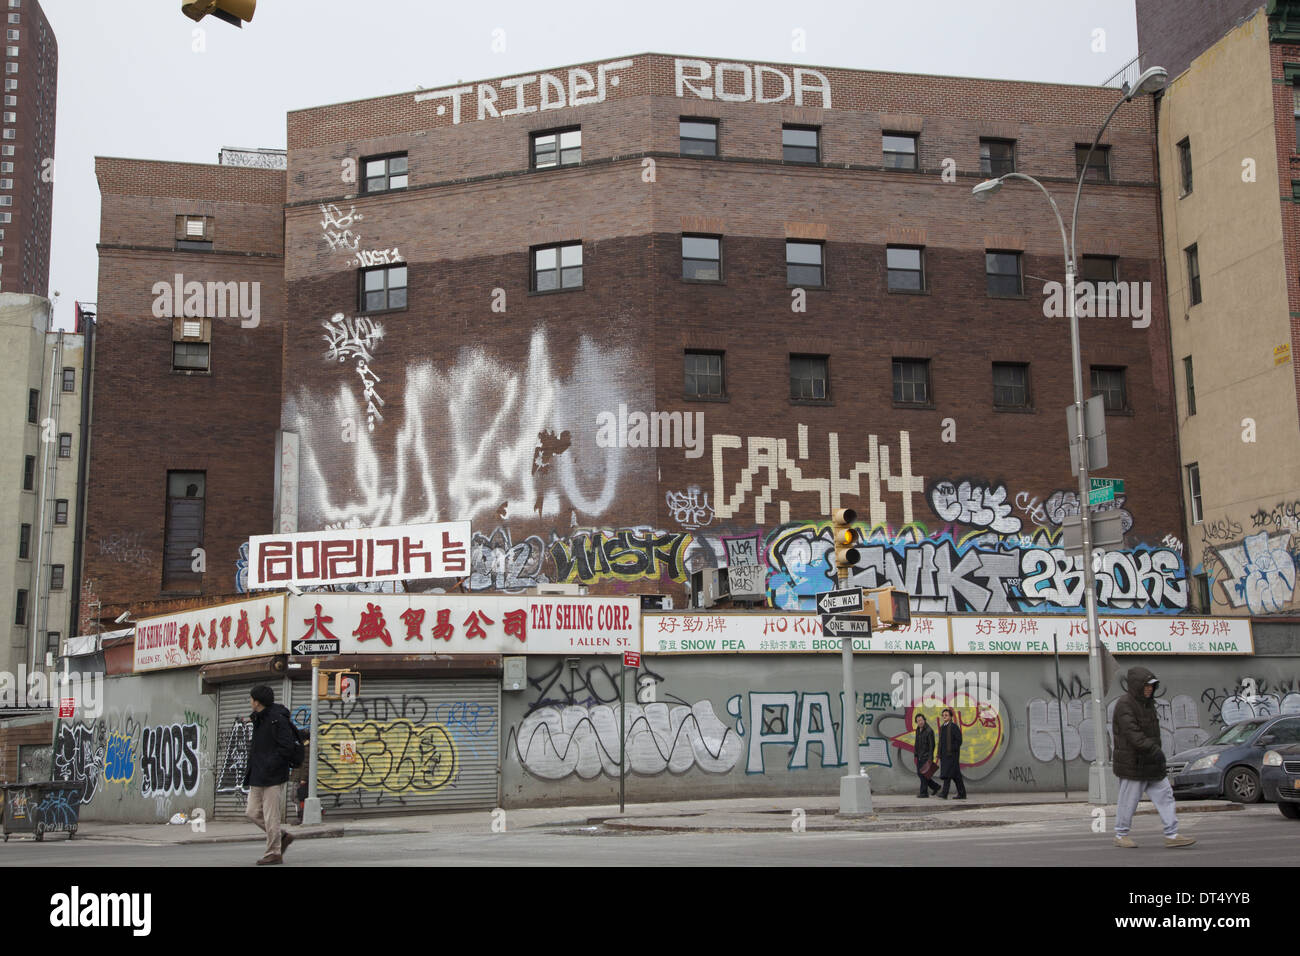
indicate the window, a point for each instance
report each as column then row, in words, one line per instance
column 11, row 51
column 1109, row 384
column 25, row 541
column 6, row 200
column 997, row 157
column 56, row 577
column 905, row 269
column 702, row 258
column 1295, row 101
column 1010, row 385
column 383, row 288
column 61, row 511
column 912, row 381
column 11, row 34
column 6, row 167
column 1202, row 592
column 557, row 148
column 1193, row 275
column 11, row 67
column 1101, row 273
column 185, row 501
column 800, row 144
column 29, row 473
column 10, row 117
column 557, row 267
column 699, row 137
column 1098, row 166
column 65, row 445
column 33, row 404
column 11, row 84
column 809, row 378
column 15, row 17
column 1194, row 491
column 69, row 379
column 900, row 150
column 190, row 356
column 52, row 641
column 704, row 375
column 384, row 173
column 1185, row 165
column 194, row 233
column 1002, row 273
column 10, row 134
column 20, row 608
column 803, row 263
column 1191, row 386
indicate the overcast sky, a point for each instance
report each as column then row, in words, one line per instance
column 135, row 81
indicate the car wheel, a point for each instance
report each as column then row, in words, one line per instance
column 1290, row 810
column 1242, row 785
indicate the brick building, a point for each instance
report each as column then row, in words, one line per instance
column 486, row 294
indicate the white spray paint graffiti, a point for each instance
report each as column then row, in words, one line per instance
column 336, row 227
column 556, row 742
column 356, row 339
column 1180, row 727
column 974, row 504
column 1260, row 573
column 690, row 508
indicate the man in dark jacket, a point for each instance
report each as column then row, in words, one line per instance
column 1139, row 760
column 950, row 753
column 268, row 770
column 924, row 750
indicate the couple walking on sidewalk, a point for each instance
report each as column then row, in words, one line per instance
column 949, row 766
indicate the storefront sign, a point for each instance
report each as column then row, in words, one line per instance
column 222, row 632
column 780, row 633
column 364, row 554
column 1121, row 635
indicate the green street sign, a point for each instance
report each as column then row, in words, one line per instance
column 1103, row 490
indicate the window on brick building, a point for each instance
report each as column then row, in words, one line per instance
column 699, row 137
column 1194, row 492
column 29, row 473
column 190, row 357
column 56, row 577
column 905, row 266
column 557, row 267
column 1185, row 165
column 702, row 258
column 705, row 376
column 65, row 445
column 1002, row 273
column 997, row 157
column 1109, row 383
column 900, row 150
column 384, row 173
column 1202, row 597
column 911, row 381
column 809, row 378
column 69, row 379
column 185, row 507
column 1010, row 385
column 61, row 511
column 53, row 640
column 25, row 542
column 20, row 608
column 1098, row 166
column 801, row 144
column 383, row 288
column 803, row 264
column 33, row 404
column 1193, row 275
column 194, row 233
column 1102, row 272
column 1190, row 384
column 557, row 147
column 1295, row 108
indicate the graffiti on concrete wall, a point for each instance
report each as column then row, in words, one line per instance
column 1252, row 697
column 395, row 757
column 79, row 753
column 1251, row 565
column 497, row 563
column 169, row 760
column 974, row 504
column 233, row 745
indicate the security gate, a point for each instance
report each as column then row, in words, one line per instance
column 406, row 743
column 234, row 735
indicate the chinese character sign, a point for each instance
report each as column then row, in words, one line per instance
column 223, row 632
column 410, row 552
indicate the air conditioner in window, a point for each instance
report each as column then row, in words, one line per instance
column 709, row 586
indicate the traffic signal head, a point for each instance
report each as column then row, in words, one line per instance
column 893, row 607
column 232, row 11
column 846, row 556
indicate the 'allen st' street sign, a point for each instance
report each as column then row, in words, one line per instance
column 314, row 647
column 840, row 602
column 1103, row 490
column 846, row 626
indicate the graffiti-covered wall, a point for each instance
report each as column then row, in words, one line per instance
column 709, row 727
column 147, row 756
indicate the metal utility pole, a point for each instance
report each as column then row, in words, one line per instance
column 311, row 806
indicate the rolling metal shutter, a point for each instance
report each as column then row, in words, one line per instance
column 407, row 743
column 233, row 739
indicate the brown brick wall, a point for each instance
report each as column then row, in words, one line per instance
column 1172, row 33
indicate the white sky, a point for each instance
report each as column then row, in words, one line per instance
column 132, row 84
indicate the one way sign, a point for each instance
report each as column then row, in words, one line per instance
column 840, row 602
column 846, row 626
column 315, row 647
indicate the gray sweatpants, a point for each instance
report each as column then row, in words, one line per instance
column 1160, row 793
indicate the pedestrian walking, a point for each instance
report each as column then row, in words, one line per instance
column 1140, row 761
column 299, row 775
column 925, row 757
column 268, row 770
column 950, row 753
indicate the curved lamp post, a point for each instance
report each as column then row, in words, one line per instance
column 1151, row 81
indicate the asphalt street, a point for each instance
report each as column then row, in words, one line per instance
column 1255, row 836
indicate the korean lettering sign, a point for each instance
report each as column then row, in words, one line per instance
column 223, row 632
column 362, row 554
column 465, row 624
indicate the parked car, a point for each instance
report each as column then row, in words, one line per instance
column 1280, row 779
column 1229, row 765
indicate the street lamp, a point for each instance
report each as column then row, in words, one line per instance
column 1149, row 82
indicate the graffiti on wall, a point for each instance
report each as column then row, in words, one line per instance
column 169, row 760
column 79, row 753
column 233, row 744
column 1252, row 697
column 125, row 547
column 497, row 563
column 1251, row 565
column 396, row 757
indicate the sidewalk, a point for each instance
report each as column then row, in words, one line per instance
column 892, row 812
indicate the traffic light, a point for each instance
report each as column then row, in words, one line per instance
column 893, row 607
column 232, row 11
column 846, row 556
column 347, row 684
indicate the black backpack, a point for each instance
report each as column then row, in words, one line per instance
column 299, row 753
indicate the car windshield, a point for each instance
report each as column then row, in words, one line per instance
column 1237, row 733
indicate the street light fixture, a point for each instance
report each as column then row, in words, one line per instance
column 1151, row 81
